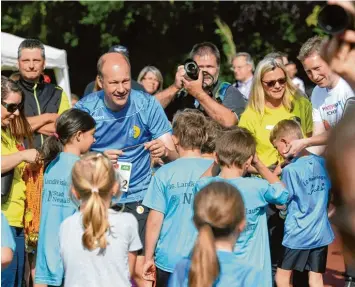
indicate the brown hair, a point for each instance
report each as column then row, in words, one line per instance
column 214, row 131
column 190, row 129
column 235, row 147
column 218, row 210
column 93, row 178
column 19, row 127
column 286, row 128
column 311, row 46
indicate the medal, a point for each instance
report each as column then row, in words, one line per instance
column 140, row 209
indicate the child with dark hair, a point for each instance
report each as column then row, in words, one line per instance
column 219, row 215
column 74, row 136
column 307, row 231
column 170, row 232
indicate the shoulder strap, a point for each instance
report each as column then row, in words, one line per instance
column 221, row 91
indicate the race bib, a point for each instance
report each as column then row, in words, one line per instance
column 123, row 171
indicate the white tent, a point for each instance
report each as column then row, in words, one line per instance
column 55, row 59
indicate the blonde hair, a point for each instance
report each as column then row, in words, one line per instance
column 93, row 177
column 257, row 96
column 156, row 73
column 218, row 210
column 286, row 128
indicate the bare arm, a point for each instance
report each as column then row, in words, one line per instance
column 213, row 170
column 171, row 153
column 314, row 143
column 166, row 96
column 217, row 111
column 264, row 171
column 6, row 256
column 132, row 258
column 37, row 122
column 8, row 162
column 154, row 224
column 47, row 129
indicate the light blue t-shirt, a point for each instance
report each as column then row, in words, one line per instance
column 233, row 272
column 307, row 225
column 7, row 237
column 171, row 193
column 253, row 243
column 57, row 205
column 140, row 121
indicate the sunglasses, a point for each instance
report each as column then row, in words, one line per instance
column 11, row 107
column 271, row 84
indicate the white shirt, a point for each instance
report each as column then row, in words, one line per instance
column 328, row 104
column 299, row 84
column 244, row 87
column 84, row 268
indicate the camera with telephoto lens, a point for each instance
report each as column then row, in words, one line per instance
column 191, row 69
column 334, row 19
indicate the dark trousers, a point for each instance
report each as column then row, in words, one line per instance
column 276, row 233
column 12, row 275
column 162, row 278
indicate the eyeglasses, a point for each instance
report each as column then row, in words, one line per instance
column 233, row 68
column 271, row 84
column 11, row 107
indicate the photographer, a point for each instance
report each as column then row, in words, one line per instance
column 220, row 101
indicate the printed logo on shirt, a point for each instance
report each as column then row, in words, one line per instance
column 97, row 118
column 135, row 132
column 331, row 109
column 315, row 184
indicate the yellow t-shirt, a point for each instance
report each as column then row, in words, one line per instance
column 261, row 127
column 14, row 207
column 64, row 104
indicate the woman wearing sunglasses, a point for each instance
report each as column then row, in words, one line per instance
column 273, row 98
column 14, row 129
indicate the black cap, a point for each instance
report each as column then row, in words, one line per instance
column 119, row 49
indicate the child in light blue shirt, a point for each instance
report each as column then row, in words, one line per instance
column 219, row 215
column 8, row 244
column 170, row 233
column 73, row 137
column 307, row 232
column 235, row 152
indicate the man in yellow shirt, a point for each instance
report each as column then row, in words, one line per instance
column 43, row 102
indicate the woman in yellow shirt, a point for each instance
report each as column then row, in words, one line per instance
column 14, row 128
column 273, row 98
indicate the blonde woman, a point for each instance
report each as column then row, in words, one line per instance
column 273, row 98
column 151, row 79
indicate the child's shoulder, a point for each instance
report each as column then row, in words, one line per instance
column 121, row 217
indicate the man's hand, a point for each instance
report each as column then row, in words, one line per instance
column 338, row 52
column 157, row 148
column 179, row 76
column 296, row 147
column 149, row 270
column 194, row 88
column 113, row 154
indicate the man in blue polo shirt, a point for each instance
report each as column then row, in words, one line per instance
column 131, row 126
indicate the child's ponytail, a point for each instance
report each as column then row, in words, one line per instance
column 95, row 221
column 204, row 264
column 93, row 178
column 218, row 211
